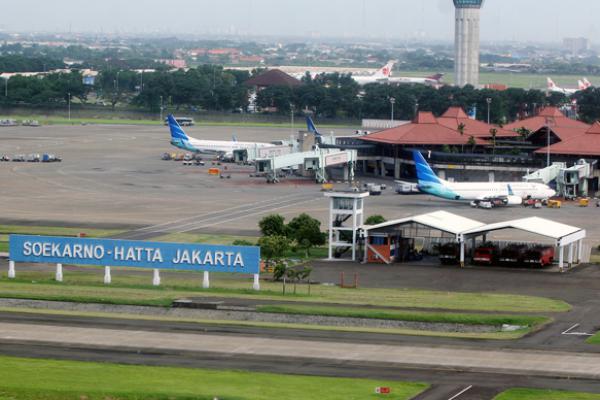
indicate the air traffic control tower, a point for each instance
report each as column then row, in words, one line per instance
column 466, row 46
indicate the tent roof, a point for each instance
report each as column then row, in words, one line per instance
column 440, row 220
column 563, row 234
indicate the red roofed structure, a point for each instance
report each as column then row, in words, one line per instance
column 424, row 130
column 587, row 144
column 273, row 77
column 553, row 117
column 455, row 116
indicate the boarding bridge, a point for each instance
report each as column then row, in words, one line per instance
column 573, row 182
column 315, row 161
column 251, row 154
column 546, row 175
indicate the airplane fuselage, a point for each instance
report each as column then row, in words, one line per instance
column 477, row 191
column 215, row 146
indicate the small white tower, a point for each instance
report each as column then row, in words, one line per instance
column 342, row 207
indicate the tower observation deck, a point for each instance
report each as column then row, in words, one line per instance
column 466, row 42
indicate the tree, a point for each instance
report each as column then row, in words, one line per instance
column 272, row 225
column 494, row 132
column 273, row 248
column 306, row 232
column 375, row 220
column 473, row 143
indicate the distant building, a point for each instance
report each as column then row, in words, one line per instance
column 175, row 63
column 576, row 46
column 466, row 45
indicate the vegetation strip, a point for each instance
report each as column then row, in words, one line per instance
column 271, row 325
column 452, row 318
column 539, row 394
column 594, row 339
column 29, row 379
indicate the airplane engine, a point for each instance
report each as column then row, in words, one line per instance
column 514, row 200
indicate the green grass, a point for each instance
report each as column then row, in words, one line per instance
column 451, row 318
column 48, row 120
column 594, row 339
column 539, row 394
column 6, row 230
column 28, row 379
column 518, row 80
column 134, row 288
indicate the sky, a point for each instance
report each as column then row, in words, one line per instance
column 502, row 20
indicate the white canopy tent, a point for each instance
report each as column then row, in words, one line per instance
column 563, row 235
column 439, row 220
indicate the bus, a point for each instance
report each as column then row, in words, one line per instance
column 182, row 121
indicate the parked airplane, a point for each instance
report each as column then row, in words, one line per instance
column 430, row 80
column 585, row 84
column 380, row 76
column 552, row 87
column 496, row 193
column 222, row 148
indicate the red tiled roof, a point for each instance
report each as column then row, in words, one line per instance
column 273, row 77
column 456, row 116
column 424, row 130
column 550, row 115
column 586, row 144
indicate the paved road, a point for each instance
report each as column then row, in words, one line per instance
column 531, row 363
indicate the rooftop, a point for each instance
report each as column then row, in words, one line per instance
column 273, row 77
column 586, row 144
column 455, row 116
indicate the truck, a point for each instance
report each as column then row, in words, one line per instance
column 449, row 253
column 485, row 254
column 513, row 254
column 539, row 256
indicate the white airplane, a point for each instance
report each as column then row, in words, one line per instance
column 430, row 80
column 584, row 84
column 222, row 148
column 381, row 76
column 495, row 193
column 552, row 87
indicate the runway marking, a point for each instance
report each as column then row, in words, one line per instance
column 465, row 390
column 569, row 331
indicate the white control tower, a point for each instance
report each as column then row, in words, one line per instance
column 466, row 42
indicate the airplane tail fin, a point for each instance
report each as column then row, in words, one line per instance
column 510, row 191
column 234, row 138
column 310, row 125
column 386, row 71
column 425, row 174
column 551, row 84
column 587, row 83
column 176, row 132
column 581, row 85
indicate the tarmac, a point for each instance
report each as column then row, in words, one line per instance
column 112, row 176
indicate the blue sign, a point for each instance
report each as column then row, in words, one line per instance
column 126, row 253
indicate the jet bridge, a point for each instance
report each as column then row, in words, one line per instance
column 545, row 175
column 309, row 162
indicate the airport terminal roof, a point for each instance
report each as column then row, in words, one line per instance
column 561, row 233
column 273, row 77
column 587, row 144
column 440, row 220
column 553, row 117
column 424, row 130
column 455, row 116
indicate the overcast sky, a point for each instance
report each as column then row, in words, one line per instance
column 527, row 20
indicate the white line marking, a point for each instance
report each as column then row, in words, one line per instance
column 570, row 329
column 461, row 392
column 569, row 332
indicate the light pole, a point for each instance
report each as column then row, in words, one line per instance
column 392, row 102
column 549, row 123
column 6, row 87
column 161, row 108
column 292, row 116
column 69, row 103
column 489, row 103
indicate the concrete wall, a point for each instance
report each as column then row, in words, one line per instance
column 466, row 47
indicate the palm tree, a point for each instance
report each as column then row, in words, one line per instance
column 461, row 129
column 494, row 132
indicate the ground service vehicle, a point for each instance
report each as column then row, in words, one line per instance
column 513, row 254
column 450, row 253
column 486, row 254
column 539, row 256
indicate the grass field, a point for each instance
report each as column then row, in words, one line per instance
column 538, row 394
column 594, row 339
column 6, row 230
column 51, row 120
column 28, row 379
column 370, row 313
column 133, row 287
column 518, row 80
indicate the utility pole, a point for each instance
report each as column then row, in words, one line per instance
column 69, row 102
column 489, row 103
column 6, row 87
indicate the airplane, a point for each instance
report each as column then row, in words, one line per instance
column 495, row 193
column 381, row 76
column 430, row 80
column 552, row 87
column 585, row 84
column 310, row 126
column 221, row 148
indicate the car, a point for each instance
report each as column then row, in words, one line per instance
column 450, row 253
column 485, row 254
column 539, row 256
column 5, row 158
column 18, row 158
column 513, row 254
column 166, row 156
column 33, row 158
